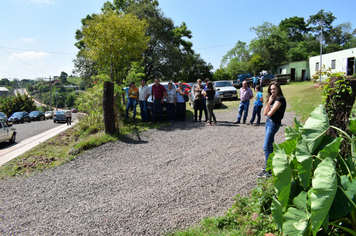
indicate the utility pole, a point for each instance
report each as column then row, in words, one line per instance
column 50, row 93
column 321, row 48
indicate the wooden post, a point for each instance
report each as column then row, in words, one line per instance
column 108, row 108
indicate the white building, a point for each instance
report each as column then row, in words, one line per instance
column 4, row 91
column 343, row 60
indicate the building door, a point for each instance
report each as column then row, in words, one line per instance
column 292, row 74
column 350, row 66
column 304, row 75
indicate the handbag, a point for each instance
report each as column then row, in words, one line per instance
column 186, row 98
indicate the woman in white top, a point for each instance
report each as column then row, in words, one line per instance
column 181, row 106
column 171, row 100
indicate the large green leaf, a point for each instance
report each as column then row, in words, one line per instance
column 296, row 220
column 283, row 175
column 277, row 213
column 315, row 128
column 324, row 190
column 291, row 133
column 352, row 125
column 288, row 146
column 305, row 160
column 341, row 205
column 331, row 150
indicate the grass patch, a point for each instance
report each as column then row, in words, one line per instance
column 302, row 98
column 249, row 215
column 74, row 80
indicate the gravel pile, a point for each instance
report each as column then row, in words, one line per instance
column 148, row 184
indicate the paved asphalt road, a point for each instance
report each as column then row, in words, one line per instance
column 28, row 130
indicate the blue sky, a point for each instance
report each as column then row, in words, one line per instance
column 44, row 30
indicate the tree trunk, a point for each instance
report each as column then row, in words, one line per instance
column 108, row 108
column 340, row 107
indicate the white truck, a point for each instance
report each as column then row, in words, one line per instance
column 7, row 133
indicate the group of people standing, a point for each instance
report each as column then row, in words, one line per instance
column 173, row 97
column 204, row 101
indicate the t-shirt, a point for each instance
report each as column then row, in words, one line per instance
column 210, row 94
column 134, row 93
column 258, row 101
column 158, row 91
column 171, row 95
column 180, row 98
column 143, row 92
column 262, row 79
column 255, row 80
column 279, row 114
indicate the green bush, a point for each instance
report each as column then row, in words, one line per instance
column 315, row 185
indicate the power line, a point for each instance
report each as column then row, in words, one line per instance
column 23, row 61
column 39, row 51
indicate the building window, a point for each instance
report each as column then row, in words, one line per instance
column 317, row 66
column 333, row 64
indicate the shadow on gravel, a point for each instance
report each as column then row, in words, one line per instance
column 5, row 145
column 227, row 123
column 187, row 125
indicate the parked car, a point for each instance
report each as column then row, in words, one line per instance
column 59, row 116
column 186, row 87
column 37, row 115
column 217, row 98
column 7, row 133
column 19, row 117
column 74, row 110
column 150, row 101
column 225, row 89
column 49, row 114
column 2, row 115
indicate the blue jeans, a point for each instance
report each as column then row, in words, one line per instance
column 143, row 107
column 256, row 111
column 157, row 104
column 243, row 108
column 254, row 85
column 132, row 102
column 171, row 110
column 271, row 129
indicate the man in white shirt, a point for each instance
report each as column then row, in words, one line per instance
column 144, row 93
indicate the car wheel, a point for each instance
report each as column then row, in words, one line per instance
column 13, row 138
column 22, row 121
column 54, row 121
column 29, row 120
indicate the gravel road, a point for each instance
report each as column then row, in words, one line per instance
column 147, row 184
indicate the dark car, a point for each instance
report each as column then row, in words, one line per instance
column 37, row 115
column 59, row 116
column 19, row 117
column 74, row 110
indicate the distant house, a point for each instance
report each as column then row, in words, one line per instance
column 4, row 91
column 298, row 70
column 343, row 60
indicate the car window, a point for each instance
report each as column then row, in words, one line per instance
column 4, row 124
column 1, row 124
column 222, row 84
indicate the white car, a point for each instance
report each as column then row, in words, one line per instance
column 49, row 115
column 226, row 89
column 7, row 133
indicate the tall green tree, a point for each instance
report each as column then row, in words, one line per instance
column 295, row 27
column 322, row 19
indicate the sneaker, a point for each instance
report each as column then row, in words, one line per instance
column 256, row 125
column 249, row 123
column 264, row 174
column 244, row 122
column 236, row 122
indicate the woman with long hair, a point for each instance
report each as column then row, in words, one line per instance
column 274, row 110
column 199, row 100
column 209, row 94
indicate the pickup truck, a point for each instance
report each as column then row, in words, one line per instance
column 7, row 133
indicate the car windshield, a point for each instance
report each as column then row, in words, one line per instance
column 60, row 112
column 34, row 113
column 17, row 114
column 222, row 84
column 2, row 114
column 48, row 112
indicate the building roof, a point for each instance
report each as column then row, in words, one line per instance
column 3, row 89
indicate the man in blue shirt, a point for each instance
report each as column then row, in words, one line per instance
column 254, row 81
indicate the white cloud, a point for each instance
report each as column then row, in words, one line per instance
column 27, row 40
column 43, row 1
column 29, row 55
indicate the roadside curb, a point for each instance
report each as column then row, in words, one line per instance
column 27, row 144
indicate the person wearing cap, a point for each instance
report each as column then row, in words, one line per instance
column 144, row 94
column 159, row 93
column 181, row 106
column 133, row 100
